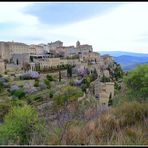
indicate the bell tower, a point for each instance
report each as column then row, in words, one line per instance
column 77, row 44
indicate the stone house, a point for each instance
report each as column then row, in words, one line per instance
column 91, row 57
column 2, row 66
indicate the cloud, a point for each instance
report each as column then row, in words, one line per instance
column 116, row 30
column 58, row 14
column 124, row 28
column 12, row 12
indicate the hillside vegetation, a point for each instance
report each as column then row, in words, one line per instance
column 124, row 123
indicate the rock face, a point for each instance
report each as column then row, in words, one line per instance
column 102, row 91
column 106, row 73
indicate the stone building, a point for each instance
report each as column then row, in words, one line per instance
column 45, row 47
column 19, row 59
column 18, row 48
column 107, row 59
column 106, row 73
column 2, row 66
column 54, row 45
column 5, row 52
column 46, row 62
column 73, row 61
column 36, row 49
column 7, row 49
column 83, row 50
column 91, row 57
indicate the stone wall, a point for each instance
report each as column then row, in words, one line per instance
column 2, row 66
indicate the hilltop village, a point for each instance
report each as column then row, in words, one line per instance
column 19, row 59
column 52, row 94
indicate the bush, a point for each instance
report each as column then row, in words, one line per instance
column 18, row 125
column 18, row 93
column 51, row 94
column 84, row 87
column 68, row 93
column 50, row 78
column 4, row 108
column 105, row 79
column 36, row 83
column 47, row 82
column 86, row 82
column 1, row 86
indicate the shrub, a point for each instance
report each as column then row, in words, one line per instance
column 19, row 93
column 1, row 86
column 50, row 78
column 36, row 83
column 84, row 87
column 18, row 125
column 47, row 82
column 51, row 94
column 68, row 93
column 4, row 108
column 105, row 79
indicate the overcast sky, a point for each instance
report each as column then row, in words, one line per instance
column 105, row 26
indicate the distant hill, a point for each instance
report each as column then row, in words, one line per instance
column 130, row 62
column 127, row 60
column 120, row 53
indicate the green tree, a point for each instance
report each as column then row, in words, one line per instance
column 137, row 80
column 1, row 87
column 60, row 76
column 118, row 72
column 69, row 71
column 110, row 102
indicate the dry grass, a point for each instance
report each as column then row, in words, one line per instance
column 125, row 125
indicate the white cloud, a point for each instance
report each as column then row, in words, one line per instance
column 121, row 29
column 12, row 13
column 117, row 30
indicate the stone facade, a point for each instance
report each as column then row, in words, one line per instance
column 48, row 62
column 2, row 66
column 102, row 91
column 106, row 73
column 7, row 49
column 107, row 59
column 83, row 47
column 19, row 59
column 54, row 45
column 107, row 90
column 73, row 62
column 91, row 56
column 36, row 49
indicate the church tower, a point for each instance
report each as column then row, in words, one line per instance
column 77, row 44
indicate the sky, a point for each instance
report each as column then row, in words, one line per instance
column 107, row 26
